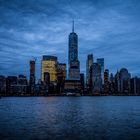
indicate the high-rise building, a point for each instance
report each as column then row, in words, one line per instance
column 89, row 63
column 106, row 75
column 113, row 86
column 96, row 78
column 74, row 64
column 135, row 86
column 100, row 62
column 106, row 81
column 61, row 77
column 49, row 64
column 32, row 73
column 124, row 81
column 61, row 70
column 117, row 82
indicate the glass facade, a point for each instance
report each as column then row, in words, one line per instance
column 49, row 64
column 74, row 64
column 89, row 63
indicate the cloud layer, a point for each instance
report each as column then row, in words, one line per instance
column 106, row 28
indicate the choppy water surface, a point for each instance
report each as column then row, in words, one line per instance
column 107, row 118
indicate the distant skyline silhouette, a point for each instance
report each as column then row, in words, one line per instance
column 107, row 28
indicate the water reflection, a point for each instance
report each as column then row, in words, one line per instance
column 110, row 118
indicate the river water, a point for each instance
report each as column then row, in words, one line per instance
column 70, row 118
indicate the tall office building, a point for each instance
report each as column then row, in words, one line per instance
column 100, row 62
column 89, row 63
column 32, row 73
column 135, row 86
column 112, row 87
column 61, row 71
column 124, row 81
column 106, row 81
column 106, row 75
column 49, row 64
column 74, row 64
column 96, row 78
column 61, row 77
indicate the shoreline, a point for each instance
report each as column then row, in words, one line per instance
column 63, row 95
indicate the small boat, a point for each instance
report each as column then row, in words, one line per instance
column 70, row 94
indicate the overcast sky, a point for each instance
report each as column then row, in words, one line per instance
column 32, row 28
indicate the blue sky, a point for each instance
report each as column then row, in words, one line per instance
column 32, row 28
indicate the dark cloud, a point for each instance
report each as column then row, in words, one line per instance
column 106, row 28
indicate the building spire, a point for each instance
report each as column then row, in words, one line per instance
column 73, row 26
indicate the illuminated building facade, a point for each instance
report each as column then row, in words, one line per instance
column 49, row 64
column 74, row 64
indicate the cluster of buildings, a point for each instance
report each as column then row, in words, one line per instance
column 57, row 80
column 101, row 82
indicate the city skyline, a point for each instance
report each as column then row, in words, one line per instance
column 104, row 28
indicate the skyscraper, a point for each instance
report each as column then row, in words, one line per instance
column 89, row 63
column 106, row 75
column 100, row 62
column 61, row 77
column 49, row 64
column 96, row 78
column 124, row 81
column 61, row 71
column 74, row 64
column 106, row 81
column 32, row 73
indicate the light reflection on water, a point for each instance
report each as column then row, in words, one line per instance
column 108, row 118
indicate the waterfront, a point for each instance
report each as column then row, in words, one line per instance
column 98, row 117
